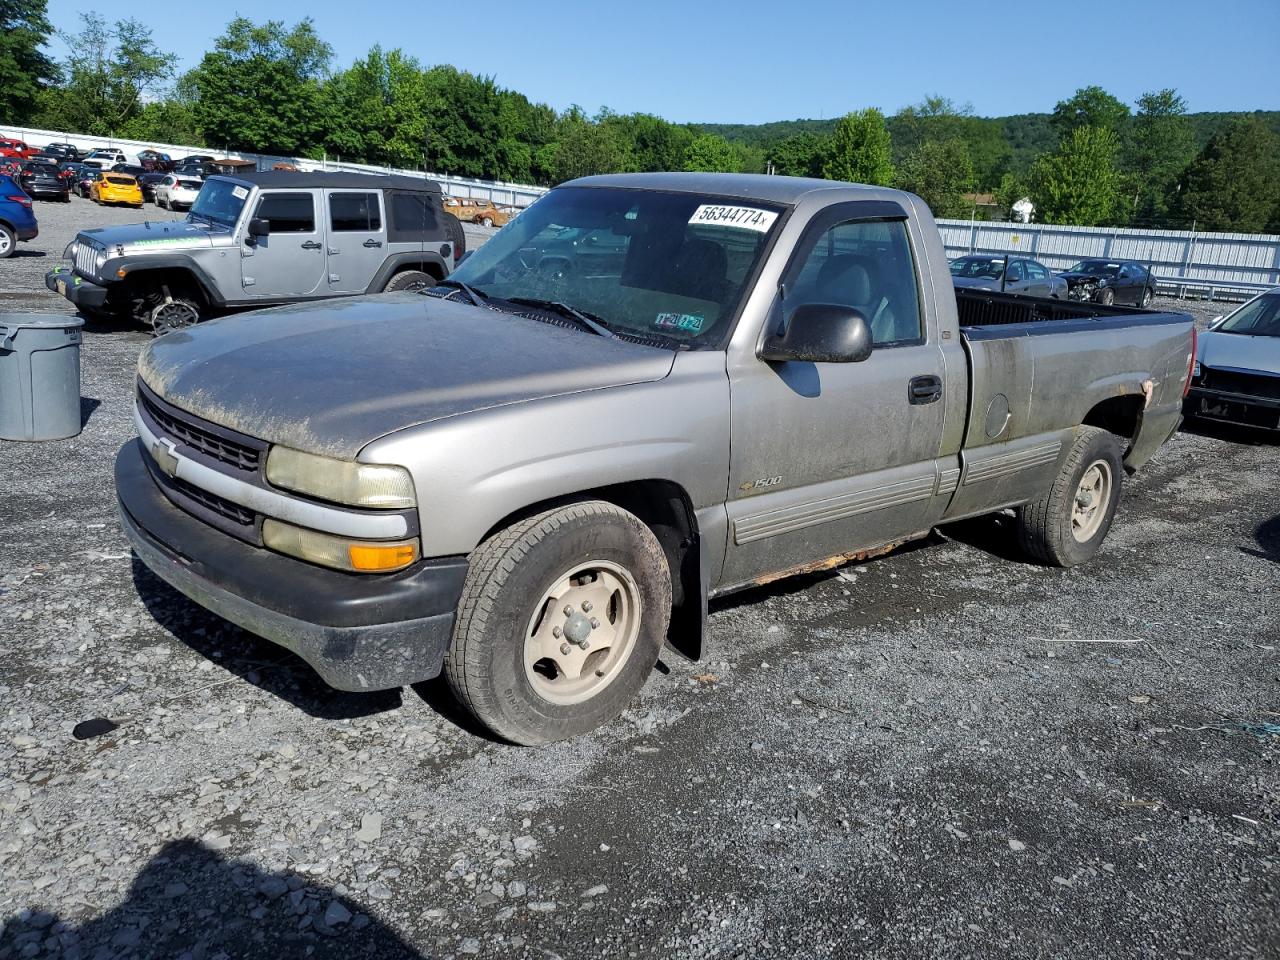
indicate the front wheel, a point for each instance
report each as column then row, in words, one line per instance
column 561, row 620
column 173, row 313
column 1147, row 295
column 1106, row 296
column 1067, row 525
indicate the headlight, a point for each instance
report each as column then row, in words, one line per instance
column 354, row 556
column 99, row 260
column 375, row 485
column 70, row 252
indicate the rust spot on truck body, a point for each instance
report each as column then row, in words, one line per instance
column 838, row 560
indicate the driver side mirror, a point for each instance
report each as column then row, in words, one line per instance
column 820, row 333
column 1216, row 321
column 259, row 227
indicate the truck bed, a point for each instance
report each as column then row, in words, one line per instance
column 987, row 315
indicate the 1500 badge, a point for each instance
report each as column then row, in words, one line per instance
column 759, row 484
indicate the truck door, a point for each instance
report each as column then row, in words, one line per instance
column 357, row 239
column 289, row 261
column 833, row 458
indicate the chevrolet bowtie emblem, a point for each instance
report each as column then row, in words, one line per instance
column 165, row 456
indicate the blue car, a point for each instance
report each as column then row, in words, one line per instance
column 17, row 218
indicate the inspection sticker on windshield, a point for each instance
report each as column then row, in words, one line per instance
column 688, row 322
column 747, row 218
column 239, row 192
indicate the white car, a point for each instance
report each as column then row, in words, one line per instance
column 1236, row 377
column 176, row 191
column 105, row 159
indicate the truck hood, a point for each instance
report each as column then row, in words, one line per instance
column 329, row 378
column 157, row 235
column 1238, row 351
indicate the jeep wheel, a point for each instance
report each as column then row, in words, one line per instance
column 456, row 234
column 173, row 313
column 8, row 242
column 561, row 620
column 409, row 280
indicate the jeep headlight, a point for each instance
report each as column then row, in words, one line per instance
column 70, row 252
column 99, row 260
column 375, row 485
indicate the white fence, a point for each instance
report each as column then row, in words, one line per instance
column 1183, row 261
column 516, row 194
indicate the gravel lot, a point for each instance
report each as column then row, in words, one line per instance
column 946, row 752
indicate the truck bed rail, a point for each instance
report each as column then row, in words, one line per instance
column 986, row 315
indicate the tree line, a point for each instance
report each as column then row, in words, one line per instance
column 273, row 88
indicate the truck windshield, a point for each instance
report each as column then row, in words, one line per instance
column 1261, row 318
column 643, row 262
column 219, row 201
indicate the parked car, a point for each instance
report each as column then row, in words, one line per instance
column 64, row 151
column 132, row 169
column 113, row 187
column 105, row 158
column 265, row 238
column 84, row 181
column 528, row 481
column 1110, row 281
column 148, row 182
column 73, row 171
column 1009, row 274
column 17, row 217
column 44, row 179
column 472, row 210
column 1236, row 378
column 154, row 160
column 16, row 148
column 197, row 158
column 176, row 192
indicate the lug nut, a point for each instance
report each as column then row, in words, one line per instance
column 584, row 644
column 586, row 606
column 568, row 610
column 555, row 632
column 564, row 649
column 594, row 623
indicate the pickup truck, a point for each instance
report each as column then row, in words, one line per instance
column 647, row 391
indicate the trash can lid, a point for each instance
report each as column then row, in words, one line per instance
column 19, row 321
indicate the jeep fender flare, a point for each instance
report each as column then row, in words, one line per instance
column 428, row 261
column 136, row 265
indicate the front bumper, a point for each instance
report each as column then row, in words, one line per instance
column 81, row 292
column 357, row 631
column 1237, row 408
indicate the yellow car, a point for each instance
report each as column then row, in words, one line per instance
column 111, row 187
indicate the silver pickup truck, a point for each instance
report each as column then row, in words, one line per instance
column 647, row 391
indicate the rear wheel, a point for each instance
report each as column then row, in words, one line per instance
column 1067, row 525
column 8, row 242
column 409, row 280
column 561, row 620
column 486, row 221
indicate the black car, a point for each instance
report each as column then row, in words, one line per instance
column 43, row 179
column 132, row 169
column 148, row 182
column 63, row 151
column 1110, row 281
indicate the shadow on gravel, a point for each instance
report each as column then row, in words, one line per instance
column 1268, row 536
column 87, row 406
column 995, row 533
column 189, row 902
column 20, row 253
column 256, row 661
column 1230, row 432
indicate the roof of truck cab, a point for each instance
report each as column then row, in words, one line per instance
column 748, row 186
column 334, row 180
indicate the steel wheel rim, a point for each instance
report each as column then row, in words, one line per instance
column 604, row 607
column 173, row 315
column 1089, row 505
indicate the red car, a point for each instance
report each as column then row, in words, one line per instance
column 16, row 148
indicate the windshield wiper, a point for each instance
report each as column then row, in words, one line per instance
column 477, row 299
column 594, row 324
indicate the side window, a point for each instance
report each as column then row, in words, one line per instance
column 866, row 264
column 1036, row 272
column 411, row 217
column 288, row 212
column 1015, row 272
column 355, row 212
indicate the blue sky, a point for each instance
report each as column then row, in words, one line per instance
column 752, row 61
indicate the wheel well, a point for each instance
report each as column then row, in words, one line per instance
column 665, row 508
column 179, row 281
column 431, row 269
column 1119, row 415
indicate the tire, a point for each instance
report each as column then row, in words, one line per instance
column 1147, row 296
column 409, row 280
column 167, row 313
column 486, row 221
column 8, row 242
column 456, row 234
column 1060, row 529
column 160, row 205
column 1106, row 296
column 517, row 580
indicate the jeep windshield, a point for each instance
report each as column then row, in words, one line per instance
column 669, row 265
column 220, row 202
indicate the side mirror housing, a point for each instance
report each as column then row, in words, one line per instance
column 259, row 227
column 820, row 333
column 1216, row 321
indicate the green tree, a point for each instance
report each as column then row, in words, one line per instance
column 112, row 70
column 800, row 155
column 937, row 119
column 1160, row 146
column 25, row 69
column 1012, row 188
column 584, row 148
column 1079, row 184
column 260, row 87
column 860, row 150
column 1234, row 182
column 941, row 173
column 711, row 154
column 1088, row 107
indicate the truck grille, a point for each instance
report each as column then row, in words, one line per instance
column 86, row 257
column 1248, row 384
column 204, row 438
column 212, row 502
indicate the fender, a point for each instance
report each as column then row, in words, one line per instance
column 421, row 259
column 169, row 261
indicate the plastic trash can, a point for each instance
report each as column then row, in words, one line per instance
column 39, row 376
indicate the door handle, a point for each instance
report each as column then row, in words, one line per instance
column 311, row 245
column 373, row 243
column 926, row 389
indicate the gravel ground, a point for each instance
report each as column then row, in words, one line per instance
column 946, row 752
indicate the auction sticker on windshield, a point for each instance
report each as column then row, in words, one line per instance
column 239, row 192
column 747, row 218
